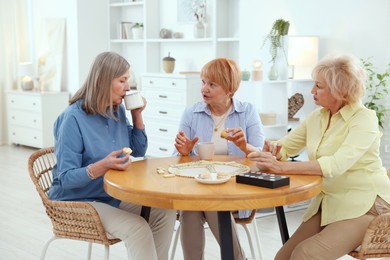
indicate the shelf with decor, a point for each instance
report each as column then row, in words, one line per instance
column 145, row 54
column 272, row 97
column 268, row 97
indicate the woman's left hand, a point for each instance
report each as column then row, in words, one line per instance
column 136, row 115
column 237, row 137
column 266, row 160
column 140, row 109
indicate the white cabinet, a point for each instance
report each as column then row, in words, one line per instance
column 145, row 54
column 31, row 116
column 167, row 96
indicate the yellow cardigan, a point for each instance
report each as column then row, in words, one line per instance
column 348, row 154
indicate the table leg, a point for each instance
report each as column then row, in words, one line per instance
column 282, row 223
column 145, row 212
column 225, row 234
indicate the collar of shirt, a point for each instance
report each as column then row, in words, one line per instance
column 202, row 107
column 346, row 112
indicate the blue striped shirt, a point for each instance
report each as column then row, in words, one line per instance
column 197, row 121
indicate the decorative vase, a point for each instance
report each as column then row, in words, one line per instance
column 245, row 75
column 273, row 72
column 199, row 30
column 168, row 63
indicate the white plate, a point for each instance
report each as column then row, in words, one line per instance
column 212, row 181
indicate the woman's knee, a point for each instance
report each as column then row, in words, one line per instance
column 192, row 217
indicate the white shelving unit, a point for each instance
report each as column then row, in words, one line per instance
column 145, row 55
column 272, row 96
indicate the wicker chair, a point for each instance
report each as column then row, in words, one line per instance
column 70, row 219
column 376, row 241
column 243, row 222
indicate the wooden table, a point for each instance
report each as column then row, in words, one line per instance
column 141, row 185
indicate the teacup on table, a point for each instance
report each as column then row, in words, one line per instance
column 205, row 150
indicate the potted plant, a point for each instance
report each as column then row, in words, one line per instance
column 275, row 37
column 377, row 89
column 138, row 30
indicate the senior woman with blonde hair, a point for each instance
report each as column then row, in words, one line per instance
column 205, row 121
column 342, row 140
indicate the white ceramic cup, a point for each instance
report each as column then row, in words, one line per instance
column 205, row 150
column 133, row 100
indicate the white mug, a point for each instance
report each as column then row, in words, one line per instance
column 133, row 100
column 205, row 150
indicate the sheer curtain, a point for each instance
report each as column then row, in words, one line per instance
column 15, row 45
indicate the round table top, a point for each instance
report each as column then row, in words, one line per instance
column 142, row 185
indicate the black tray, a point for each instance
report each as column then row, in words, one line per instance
column 263, row 179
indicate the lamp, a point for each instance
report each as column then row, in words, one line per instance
column 26, row 72
column 302, row 55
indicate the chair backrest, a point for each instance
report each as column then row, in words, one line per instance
column 40, row 165
column 70, row 219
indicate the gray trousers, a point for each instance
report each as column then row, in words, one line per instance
column 143, row 240
column 192, row 234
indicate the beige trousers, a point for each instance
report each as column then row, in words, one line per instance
column 311, row 241
column 143, row 240
column 192, row 234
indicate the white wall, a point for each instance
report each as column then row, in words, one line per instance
column 357, row 27
column 86, row 34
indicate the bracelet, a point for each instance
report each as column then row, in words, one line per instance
column 90, row 173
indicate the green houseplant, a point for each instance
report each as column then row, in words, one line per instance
column 275, row 37
column 377, row 89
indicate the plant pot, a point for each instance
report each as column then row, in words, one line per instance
column 138, row 33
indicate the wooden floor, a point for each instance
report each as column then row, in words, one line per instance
column 24, row 226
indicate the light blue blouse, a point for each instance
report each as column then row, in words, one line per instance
column 82, row 139
column 197, row 121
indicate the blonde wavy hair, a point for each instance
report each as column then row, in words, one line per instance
column 224, row 72
column 344, row 75
column 96, row 90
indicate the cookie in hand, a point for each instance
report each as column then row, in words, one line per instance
column 224, row 134
column 127, row 150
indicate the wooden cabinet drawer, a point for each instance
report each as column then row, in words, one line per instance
column 25, row 102
column 26, row 136
column 25, row 118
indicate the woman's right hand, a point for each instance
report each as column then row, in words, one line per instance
column 111, row 161
column 273, row 148
column 183, row 144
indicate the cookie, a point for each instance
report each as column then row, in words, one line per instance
column 127, row 150
column 224, row 134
